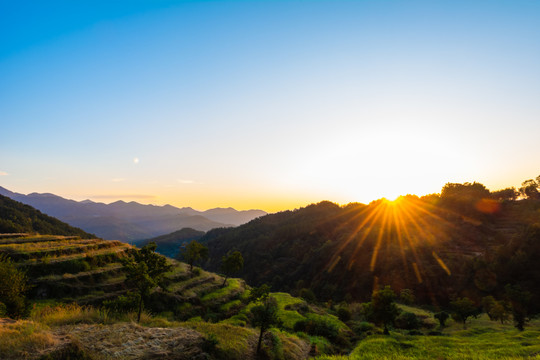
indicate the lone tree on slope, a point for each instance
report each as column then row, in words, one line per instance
column 193, row 253
column 145, row 268
column 264, row 315
column 231, row 263
column 384, row 309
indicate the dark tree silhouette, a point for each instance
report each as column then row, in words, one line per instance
column 145, row 268
column 384, row 309
column 442, row 317
column 13, row 287
column 462, row 309
column 231, row 263
column 520, row 302
column 529, row 188
column 264, row 315
column 193, row 253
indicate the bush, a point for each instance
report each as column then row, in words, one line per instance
column 317, row 327
column 407, row 321
column 13, row 287
column 308, row 295
column 344, row 314
column 210, row 344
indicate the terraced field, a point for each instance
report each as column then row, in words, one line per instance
column 79, row 272
column 89, row 271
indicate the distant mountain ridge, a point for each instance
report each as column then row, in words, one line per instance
column 128, row 221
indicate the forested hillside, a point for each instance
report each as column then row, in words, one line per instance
column 169, row 244
column 466, row 241
column 16, row 217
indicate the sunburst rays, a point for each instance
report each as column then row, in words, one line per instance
column 408, row 223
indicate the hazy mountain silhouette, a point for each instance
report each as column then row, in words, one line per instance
column 129, row 221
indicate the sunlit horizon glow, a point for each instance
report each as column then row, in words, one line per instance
column 266, row 105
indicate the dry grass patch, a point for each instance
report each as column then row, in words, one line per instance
column 24, row 339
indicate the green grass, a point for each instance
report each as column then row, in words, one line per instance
column 234, row 342
column 487, row 342
column 232, row 286
column 230, row 305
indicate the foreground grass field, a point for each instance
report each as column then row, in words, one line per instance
column 483, row 340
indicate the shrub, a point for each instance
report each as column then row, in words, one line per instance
column 308, row 295
column 210, row 343
column 317, row 327
column 13, row 287
column 408, row 321
column 363, row 327
column 344, row 314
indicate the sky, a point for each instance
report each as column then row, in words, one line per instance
column 270, row 105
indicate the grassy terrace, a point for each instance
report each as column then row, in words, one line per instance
column 121, row 247
column 33, row 239
column 181, row 286
column 111, row 268
column 233, row 288
column 27, row 252
column 26, row 246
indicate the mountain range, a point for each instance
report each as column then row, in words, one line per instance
column 128, row 221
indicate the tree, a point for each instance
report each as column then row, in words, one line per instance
column 508, row 194
column 145, row 268
column 520, row 302
column 13, row 287
column 463, row 308
column 384, row 309
column 529, row 188
column 499, row 312
column 406, row 296
column 193, row 253
column 487, row 303
column 231, row 263
column 264, row 315
column 442, row 317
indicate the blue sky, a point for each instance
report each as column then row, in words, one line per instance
column 266, row 104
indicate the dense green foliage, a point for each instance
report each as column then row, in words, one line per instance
column 145, row 268
column 193, row 252
column 13, row 288
column 16, row 217
column 466, row 241
column 231, row 264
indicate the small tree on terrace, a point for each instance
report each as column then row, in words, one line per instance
column 520, row 302
column 193, row 253
column 384, row 309
column 231, row 263
column 145, row 268
column 264, row 315
column 462, row 309
column 442, row 317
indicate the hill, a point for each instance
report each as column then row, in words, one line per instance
column 16, row 217
column 169, row 244
column 130, row 221
column 191, row 316
column 462, row 243
column 79, row 289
